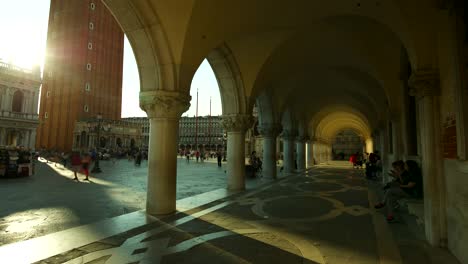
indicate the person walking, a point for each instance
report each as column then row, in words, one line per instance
column 138, row 159
column 75, row 163
column 64, row 157
column 220, row 157
column 85, row 162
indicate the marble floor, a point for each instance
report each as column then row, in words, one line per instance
column 319, row 216
column 51, row 201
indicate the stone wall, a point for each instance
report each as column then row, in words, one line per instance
column 457, row 207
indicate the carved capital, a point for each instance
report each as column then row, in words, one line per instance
column 237, row 123
column 164, row 104
column 269, row 130
column 424, row 83
column 289, row 134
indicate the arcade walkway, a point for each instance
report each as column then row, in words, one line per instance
column 321, row 216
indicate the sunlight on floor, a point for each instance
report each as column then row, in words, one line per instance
column 60, row 170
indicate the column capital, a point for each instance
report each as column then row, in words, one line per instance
column 424, row 83
column 289, row 134
column 237, row 122
column 269, row 130
column 164, row 104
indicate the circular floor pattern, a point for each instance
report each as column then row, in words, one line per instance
column 320, row 186
column 331, row 177
column 297, row 207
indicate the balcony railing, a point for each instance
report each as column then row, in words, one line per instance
column 18, row 71
column 21, row 116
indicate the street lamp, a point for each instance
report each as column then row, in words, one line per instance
column 96, row 168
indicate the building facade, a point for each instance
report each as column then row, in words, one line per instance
column 211, row 134
column 19, row 94
column 109, row 134
column 143, row 124
column 346, row 143
column 82, row 72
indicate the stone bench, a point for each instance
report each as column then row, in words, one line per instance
column 415, row 207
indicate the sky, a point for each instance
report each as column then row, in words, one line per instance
column 23, row 27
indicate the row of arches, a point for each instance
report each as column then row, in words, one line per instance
column 311, row 71
column 17, row 102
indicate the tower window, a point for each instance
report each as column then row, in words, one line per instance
column 88, row 66
column 93, row 6
column 50, row 74
column 88, row 87
column 91, row 25
column 48, row 94
column 46, row 115
column 86, row 108
column 90, row 45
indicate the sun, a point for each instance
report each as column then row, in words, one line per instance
column 24, row 47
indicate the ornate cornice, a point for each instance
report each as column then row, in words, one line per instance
column 269, row 130
column 237, row 122
column 164, row 104
column 424, row 83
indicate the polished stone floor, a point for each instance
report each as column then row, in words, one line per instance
column 50, row 201
column 321, row 216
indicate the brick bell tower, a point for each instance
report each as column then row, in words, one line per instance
column 83, row 70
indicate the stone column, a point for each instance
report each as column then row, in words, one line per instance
column 288, row 150
column 310, row 154
column 236, row 126
column 2, row 136
column 301, row 152
column 270, row 133
column 425, row 85
column 164, row 109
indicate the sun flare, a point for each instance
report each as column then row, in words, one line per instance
column 22, row 50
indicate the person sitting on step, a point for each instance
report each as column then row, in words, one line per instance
column 406, row 185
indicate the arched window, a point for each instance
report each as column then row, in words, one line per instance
column 17, row 105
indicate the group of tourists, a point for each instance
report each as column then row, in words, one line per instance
column 372, row 162
column 81, row 161
column 406, row 183
column 202, row 155
column 255, row 162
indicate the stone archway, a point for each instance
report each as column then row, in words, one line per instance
column 17, row 103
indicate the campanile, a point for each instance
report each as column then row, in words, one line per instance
column 83, row 70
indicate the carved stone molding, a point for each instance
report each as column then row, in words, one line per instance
column 269, row 130
column 289, row 134
column 424, row 83
column 164, row 104
column 237, row 123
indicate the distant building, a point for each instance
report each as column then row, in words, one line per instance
column 19, row 97
column 211, row 135
column 113, row 134
column 143, row 124
column 347, row 142
column 82, row 72
column 210, row 132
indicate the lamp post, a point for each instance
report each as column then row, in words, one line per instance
column 96, row 168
